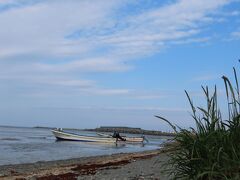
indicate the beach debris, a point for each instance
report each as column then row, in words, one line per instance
column 87, row 169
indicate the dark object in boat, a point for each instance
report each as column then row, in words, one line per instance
column 117, row 135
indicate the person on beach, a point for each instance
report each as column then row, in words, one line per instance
column 117, row 136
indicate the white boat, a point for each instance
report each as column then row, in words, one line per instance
column 128, row 139
column 61, row 135
column 103, row 134
column 135, row 139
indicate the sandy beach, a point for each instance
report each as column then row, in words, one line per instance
column 139, row 165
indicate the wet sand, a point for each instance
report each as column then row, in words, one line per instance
column 139, row 165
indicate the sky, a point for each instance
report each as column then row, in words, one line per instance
column 85, row 64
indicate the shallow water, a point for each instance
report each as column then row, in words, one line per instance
column 27, row 145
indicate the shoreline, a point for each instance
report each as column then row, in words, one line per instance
column 102, row 167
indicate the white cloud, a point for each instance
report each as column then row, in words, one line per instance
column 206, row 77
column 192, row 40
column 86, row 65
column 149, row 96
column 235, row 13
column 104, row 91
column 50, row 80
column 80, row 90
column 62, row 38
column 235, row 35
column 148, row 32
column 7, row 2
column 66, row 82
column 42, row 28
column 144, row 108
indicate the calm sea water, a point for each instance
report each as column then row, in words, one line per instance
column 26, row 145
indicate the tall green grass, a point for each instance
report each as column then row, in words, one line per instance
column 212, row 149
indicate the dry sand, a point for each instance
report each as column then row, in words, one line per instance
column 139, row 165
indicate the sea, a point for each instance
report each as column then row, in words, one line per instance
column 28, row 145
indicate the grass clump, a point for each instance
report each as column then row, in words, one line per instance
column 212, row 149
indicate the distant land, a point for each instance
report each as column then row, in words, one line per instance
column 44, row 127
column 130, row 130
column 120, row 129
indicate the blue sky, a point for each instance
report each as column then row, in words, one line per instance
column 85, row 64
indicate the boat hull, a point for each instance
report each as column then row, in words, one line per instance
column 60, row 135
column 134, row 139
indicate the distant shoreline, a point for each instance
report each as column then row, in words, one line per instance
column 130, row 130
column 111, row 129
column 108, row 129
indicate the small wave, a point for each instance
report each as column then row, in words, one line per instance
column 37, row 137
column 9, row 139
